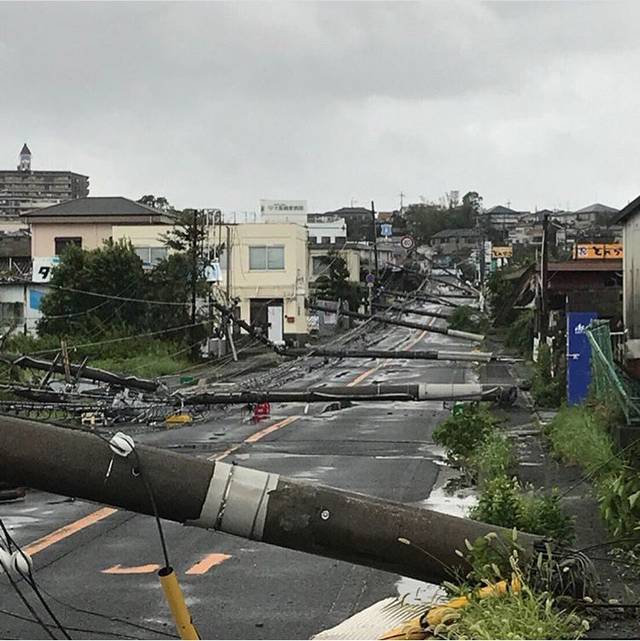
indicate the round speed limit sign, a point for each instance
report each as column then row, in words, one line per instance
column 407, row 242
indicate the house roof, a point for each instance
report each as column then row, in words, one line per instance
column 598, row 208
column 25, row 150
column 626, row 212
column 95, row 206
column 587, row 265
column 456, row 233
column 348, row 211
column 501, row 209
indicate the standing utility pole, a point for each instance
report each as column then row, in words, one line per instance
column 544, row 277
column 194, row 280
column 375, row 237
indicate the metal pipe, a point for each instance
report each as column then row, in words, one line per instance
column 381, row 392
column 390, row 321
column 244, row 502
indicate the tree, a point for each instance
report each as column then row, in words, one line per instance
column 157, row 202
column 113, row 270
column 334, row 284
column 187, row 238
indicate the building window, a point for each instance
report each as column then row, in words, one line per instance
column 326, row 240
column 265, row 258
column 62, row 243
column 151, row 255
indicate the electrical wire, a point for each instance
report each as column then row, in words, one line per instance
column 29, row 578
column 107, row 617
column 101, row 633
column 115, row 297
column 25, row 601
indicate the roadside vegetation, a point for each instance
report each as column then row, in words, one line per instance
column 476, row 445
column 580, row 435
column 103, row 303
column 499, row 599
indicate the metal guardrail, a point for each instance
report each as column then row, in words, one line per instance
column 609, row 381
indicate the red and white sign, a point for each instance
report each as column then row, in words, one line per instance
column 407, row 242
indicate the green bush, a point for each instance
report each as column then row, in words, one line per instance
column 467, row 319
column 505, row 503
column 619, row 498
column 493, row 457
column 464, row 431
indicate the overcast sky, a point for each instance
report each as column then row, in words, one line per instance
column 220, row 104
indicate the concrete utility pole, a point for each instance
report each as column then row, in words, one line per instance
column 419, row 297
column 389, row 321
column 244, row 502
column 380, row 392
column 375, row 239
column 92, row 373
column 426, row 355
column 544, row 277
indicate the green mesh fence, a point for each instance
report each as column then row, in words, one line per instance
column 608, row 382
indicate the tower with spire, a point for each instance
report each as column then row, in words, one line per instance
column 25, row 159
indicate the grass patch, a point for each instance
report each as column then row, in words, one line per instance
column 579, row 435
column 113, row 350
column 548, row 385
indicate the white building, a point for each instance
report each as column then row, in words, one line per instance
column 283, row 211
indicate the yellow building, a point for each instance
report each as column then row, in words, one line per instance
column 269, row 276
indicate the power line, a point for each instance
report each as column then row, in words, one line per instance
column 115, row 297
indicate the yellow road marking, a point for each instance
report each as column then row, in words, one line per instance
column 134, row 569
column 209, row 561
column 67, row 530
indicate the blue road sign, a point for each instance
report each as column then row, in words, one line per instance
column 578, row 356
column 386, row 230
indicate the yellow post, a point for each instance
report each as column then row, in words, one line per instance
column 179, row 610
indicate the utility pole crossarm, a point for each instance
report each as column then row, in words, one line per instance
column 244, row 502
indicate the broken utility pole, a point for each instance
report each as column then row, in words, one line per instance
column 389, row 321
column 380, row 392
column 91, row 373
column 244, row 502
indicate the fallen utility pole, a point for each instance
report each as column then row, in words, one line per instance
column 425, row 298
column 248, row 503
column 418, row 312
column 80, row 371
column 402, row 323
column 381, row 392
column 424, row 355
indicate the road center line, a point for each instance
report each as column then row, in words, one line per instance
column 209, row 561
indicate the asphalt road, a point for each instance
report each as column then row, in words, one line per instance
column 237, row 588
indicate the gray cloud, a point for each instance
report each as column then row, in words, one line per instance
column 219, row 104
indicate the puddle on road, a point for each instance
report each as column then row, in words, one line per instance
column 453, row 504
